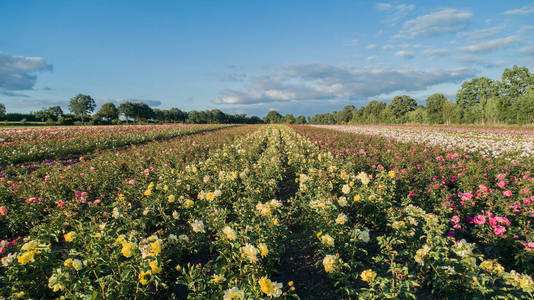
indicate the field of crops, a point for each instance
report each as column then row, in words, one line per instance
column 267, row 211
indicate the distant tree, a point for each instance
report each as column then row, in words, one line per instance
column 289, row 119
column 418, row 115
column 2, row 111
column 216, row 116
column 176, row 115
column 127, row 109
column 142, row 112
column 82, row 106
column 448, row 112
column 472, row 97
column 523, row 108
column 326, row 118
column 52, row 113
column 273, row 117
column 56, row 111
column 300, row 120
column 197, row 117
column 400, row 106
column 516, row 82
column 108, row 112
column 434, row 108
column 344, row 116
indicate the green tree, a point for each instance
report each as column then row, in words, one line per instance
column 52, row 113
column 289, row 119
column 127, row 109
column 108, row 112
column 449, row 112
column 273, row 117
column 516, row 82
column 2, row 111
column 418, row 115
column 523, row 108
column 142, row 112
column 82, row 106
column 472, row 98
column 434, row 108
column 300, row 120
column 400, row 106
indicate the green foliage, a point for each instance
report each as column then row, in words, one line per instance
column 82, row 106
column 273, row 117
column 2, row 111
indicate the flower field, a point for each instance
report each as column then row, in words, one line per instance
column 33, row 144
column 260, row 212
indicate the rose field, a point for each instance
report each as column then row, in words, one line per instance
column 266, row 211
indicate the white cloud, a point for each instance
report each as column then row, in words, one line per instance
column 405, row 54
column 443, row 21
column 396, row 11
column 480, row 61
column 433, row 53
column 526, row 28
column 529, row 51
column 372, row 57
column 16, row 72
column 383, row 6
column 353, row 43
column 525, row 10
column 306, row 82
column 492, row 44
column 480, row 34
column 371, row 46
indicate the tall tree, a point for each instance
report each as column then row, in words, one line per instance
column 2, row 111
column 400, row 106
column 82, row 106
column 289, row 119
column 473, row 96
column 108, row 111
column 434, row 108
column 273, row 117
column 516, row 82
column 300, row 120
column 127, row 109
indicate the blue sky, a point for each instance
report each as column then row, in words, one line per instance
column 301, row 57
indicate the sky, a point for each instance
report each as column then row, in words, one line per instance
column 300, row 57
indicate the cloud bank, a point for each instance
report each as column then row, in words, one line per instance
column 319, row 81
column 16, row 72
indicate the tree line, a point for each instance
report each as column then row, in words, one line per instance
column 479, row 101
column 82, row 111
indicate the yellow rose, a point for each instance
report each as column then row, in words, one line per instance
column 154, row 267
column 368, row 275
column 142, row 277
column 127, row 249
column 69, row 236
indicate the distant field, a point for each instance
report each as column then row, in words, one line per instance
column 266, row 211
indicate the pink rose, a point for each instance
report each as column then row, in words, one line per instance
column 501, row 184
column 499, row 230
column 479, row 220
column 507, row 193
column 503, row 220
column 529, row 246
column 3, row 211
column 466, row 196
column 456, row 219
